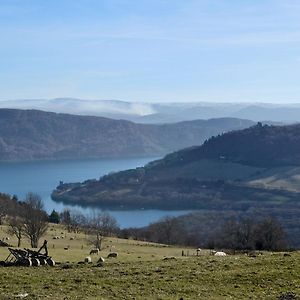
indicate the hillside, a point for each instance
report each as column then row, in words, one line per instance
column 260, row 146
column 226, row 172
column 236, row 157
column 145, row 270
column 32, row 134
column 255, row 171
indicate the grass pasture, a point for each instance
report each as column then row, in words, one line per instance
column 140, row 272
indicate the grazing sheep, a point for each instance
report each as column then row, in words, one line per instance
column 88, row 260
column 169, row 258
column 67, row 248
column 220, row 253
column 112, row 254
column 72, row 238
column 101, row 260
column 94, row 251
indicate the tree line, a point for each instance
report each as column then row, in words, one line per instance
column 264, row 233
column 28, row 219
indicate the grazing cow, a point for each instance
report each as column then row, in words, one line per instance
column 220, row 253
column 112, row 254
column 94, row 251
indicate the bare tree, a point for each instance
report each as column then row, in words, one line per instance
column 169, row 230
column 16, row 228
column 35, row 219
column 5, row 206
column 269, row 235
column 101, row 225
column 2, row 212
column 65, row 217
column 73, row 220
column 236, row 234
column 249, row 234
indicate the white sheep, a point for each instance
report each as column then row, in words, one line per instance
column 220, row 253
column 88, row 260
column 94, row 251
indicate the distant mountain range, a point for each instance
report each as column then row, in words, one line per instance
column 33, row 134
column 162, row 112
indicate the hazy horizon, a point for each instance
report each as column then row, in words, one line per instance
column 141, row 101
column 151, row 51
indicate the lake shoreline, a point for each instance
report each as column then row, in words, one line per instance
column 122, row 208
column 41, row 177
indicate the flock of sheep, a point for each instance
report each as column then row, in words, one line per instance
column 101, row 260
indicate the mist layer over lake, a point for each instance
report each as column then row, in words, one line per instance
column 41, row 177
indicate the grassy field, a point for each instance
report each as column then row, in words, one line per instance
column 141, row 272
column 287, row 178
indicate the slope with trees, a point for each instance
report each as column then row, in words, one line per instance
column 213, row 174
column 24, row 218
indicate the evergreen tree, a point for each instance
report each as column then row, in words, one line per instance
column 54, row 217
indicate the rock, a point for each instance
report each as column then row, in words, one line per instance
column 169, row 258
column 66, row 266
column 22, row 296
column 100, row 264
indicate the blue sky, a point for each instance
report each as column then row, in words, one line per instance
column 151, row 50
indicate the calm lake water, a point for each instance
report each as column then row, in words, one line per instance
column 41, row 177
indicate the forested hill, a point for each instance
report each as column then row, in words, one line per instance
column 260, row 146
column 255, row 171
column 32, row 134
column 255, row 165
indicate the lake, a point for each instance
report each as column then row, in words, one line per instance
column 41, row 177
